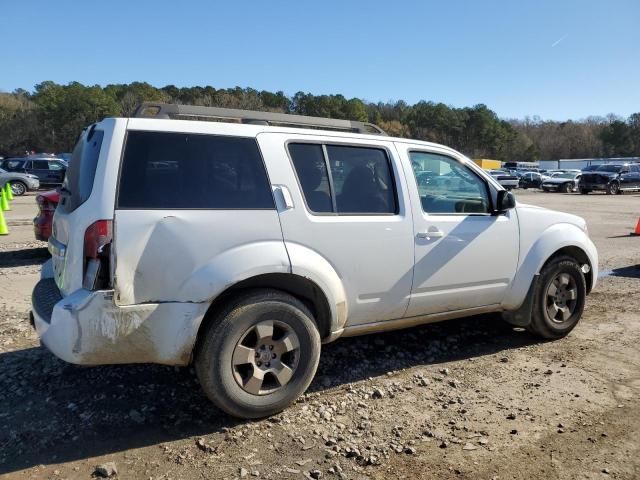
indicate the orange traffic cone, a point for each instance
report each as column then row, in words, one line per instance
column 636, row 232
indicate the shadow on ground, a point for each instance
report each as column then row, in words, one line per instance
column 23, row 258
column 53, row 412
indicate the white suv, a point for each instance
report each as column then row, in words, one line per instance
column 242, row 244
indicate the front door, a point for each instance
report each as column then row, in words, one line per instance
column 346, row 212
column 465, row 256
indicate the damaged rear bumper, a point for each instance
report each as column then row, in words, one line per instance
column 87, row 327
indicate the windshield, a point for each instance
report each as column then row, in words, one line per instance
column 565, row 175
column 609, row 168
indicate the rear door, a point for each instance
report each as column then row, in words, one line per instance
column 348, row 205
column 194, row 211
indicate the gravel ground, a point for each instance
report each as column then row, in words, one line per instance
column 466, row 399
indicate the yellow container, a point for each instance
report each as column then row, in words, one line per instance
column 488, row 164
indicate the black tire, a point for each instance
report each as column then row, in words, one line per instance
column 613, row 188
column 214, row 358
column 585, row 191
column 18, row 188
column 566, row 188
column 542, row 323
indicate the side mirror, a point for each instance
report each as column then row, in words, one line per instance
column 506, row 201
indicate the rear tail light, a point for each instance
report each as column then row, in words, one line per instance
column 45, row 205
column 97, row 248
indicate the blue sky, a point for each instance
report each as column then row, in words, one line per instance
column 556, row 59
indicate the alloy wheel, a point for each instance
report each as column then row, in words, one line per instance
column 562, row 296
column 266, row 357
column 17, row 189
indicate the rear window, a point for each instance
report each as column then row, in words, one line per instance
column 78, row 181
column 190, row 171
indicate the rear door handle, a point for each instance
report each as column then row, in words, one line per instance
column 431, row 233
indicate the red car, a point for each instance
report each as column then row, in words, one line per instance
column 47, row 203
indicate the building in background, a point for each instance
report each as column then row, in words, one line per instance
column 580, row 163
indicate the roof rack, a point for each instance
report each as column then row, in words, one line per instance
column 192, row 112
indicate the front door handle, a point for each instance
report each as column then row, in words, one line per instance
column 433, row 232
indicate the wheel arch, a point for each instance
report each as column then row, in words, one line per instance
column 559, row 239
column 304, row 289
column 581, row 256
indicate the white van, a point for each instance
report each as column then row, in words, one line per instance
column 242, row 244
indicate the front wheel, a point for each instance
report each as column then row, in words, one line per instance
column 613, row 188
column 559, row 298
column 566, row 188
column 258, row 354
column 18, row 188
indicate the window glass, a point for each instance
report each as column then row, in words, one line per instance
column 12, row 165
column 78, row 182
column 40, row 165
column 177, row 170
column 446, row 186
column 308, row 160
column 55, row 166
column 359, row 178
column 362, row 180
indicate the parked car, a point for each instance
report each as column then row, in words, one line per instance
column 423, row 177
column 244, row 263
column 590, row 168
column 21, row 183
column 562, row 182
column 47, row 203
column 49, row 170
column 532, row 180
column 506, row 179
column 612, row 178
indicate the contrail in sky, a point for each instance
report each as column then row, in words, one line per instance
column 559, row 40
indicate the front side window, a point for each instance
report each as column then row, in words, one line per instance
column 190, row 171
column 345, row 180
column 448, row 187
column 56, row 166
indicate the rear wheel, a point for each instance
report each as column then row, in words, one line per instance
column 566, row 188
column 559, row 298
column 613, row 188
column 258, row 354
column 18, row 188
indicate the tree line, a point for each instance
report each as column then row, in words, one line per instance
column 49, row 118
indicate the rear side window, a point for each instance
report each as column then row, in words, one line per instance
column 78, row 181
column 345, row 180
column 188, row 171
